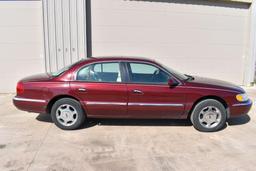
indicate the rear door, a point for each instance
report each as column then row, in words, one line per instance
column 101, row 88
column 149, row 95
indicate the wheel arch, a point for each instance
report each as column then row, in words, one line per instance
column 219, row 99
column 58, row 97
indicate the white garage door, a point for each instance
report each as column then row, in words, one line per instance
column 21, row 42
column 206, row 38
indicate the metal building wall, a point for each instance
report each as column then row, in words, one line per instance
column 64, row 32
column 252, row 50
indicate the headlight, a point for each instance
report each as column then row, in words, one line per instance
column 242, row 97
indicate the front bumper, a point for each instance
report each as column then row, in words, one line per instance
column 30, row 105
column 239, row 109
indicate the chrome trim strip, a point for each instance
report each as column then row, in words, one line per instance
column 135, row 104
column 243, row 104
column 28, row 100
column 156, row 104
column 106, row 103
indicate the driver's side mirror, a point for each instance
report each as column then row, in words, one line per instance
column 172, row 83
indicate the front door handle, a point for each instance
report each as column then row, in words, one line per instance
column 82, row 89
column 137, row 92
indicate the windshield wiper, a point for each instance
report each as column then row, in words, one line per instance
column 189, row 77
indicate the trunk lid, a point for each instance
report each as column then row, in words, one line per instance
column 37, row 77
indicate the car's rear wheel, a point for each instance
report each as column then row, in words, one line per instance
column 67, row 114
column 209, row 115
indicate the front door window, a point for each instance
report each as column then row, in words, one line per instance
column 146, row 73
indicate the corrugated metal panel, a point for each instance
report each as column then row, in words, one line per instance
column 253, row 38
column 64, row 31
column 251, row 65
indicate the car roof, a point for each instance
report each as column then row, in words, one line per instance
column 122, row 58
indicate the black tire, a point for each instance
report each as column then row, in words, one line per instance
column 203, row 105
column 79, row 116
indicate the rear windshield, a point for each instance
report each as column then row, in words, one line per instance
column 61, row 71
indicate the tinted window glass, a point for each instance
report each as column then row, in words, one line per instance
column 107, row 67
column 85, row 74
column 98, row 67
column 146, row 73
column 142, row 68
column 102, row 72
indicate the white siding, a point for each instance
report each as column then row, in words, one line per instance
column 21, row 42
column 205, row 38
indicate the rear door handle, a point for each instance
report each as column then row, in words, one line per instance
column 137, row 92
column 82, row 89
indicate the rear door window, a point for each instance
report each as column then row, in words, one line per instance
column 100, row 72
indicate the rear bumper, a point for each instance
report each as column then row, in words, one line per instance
column 30, row 105
column 240, row 109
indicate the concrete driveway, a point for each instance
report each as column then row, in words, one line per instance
column 29, row 141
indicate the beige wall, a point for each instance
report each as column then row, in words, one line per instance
column 21, row 42
column 201, row 38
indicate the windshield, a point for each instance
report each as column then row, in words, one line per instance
column 176, row 73
column 61, row 71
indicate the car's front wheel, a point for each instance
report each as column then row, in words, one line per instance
column 67, row 114
column 209, row 115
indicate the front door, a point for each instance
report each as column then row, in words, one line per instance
column 149, row 95
column 102, row 90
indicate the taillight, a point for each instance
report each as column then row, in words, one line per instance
column 19, row 88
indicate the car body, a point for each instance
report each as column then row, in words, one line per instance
column 126, row 87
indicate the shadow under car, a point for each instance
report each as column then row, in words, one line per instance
column 145, row 122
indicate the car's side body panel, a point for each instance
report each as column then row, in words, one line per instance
column 155, row 101
column 195, row 94
column 107, row 100
column 30, row 105
column 38, row 94
column 34, row 97
column 116, row 100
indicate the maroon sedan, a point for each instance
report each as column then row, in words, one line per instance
column 129, row 88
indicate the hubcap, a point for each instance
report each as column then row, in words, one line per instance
column 66, row 115
column 210, row 117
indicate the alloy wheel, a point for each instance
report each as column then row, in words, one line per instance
column 66, row 115
column 210, row 117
